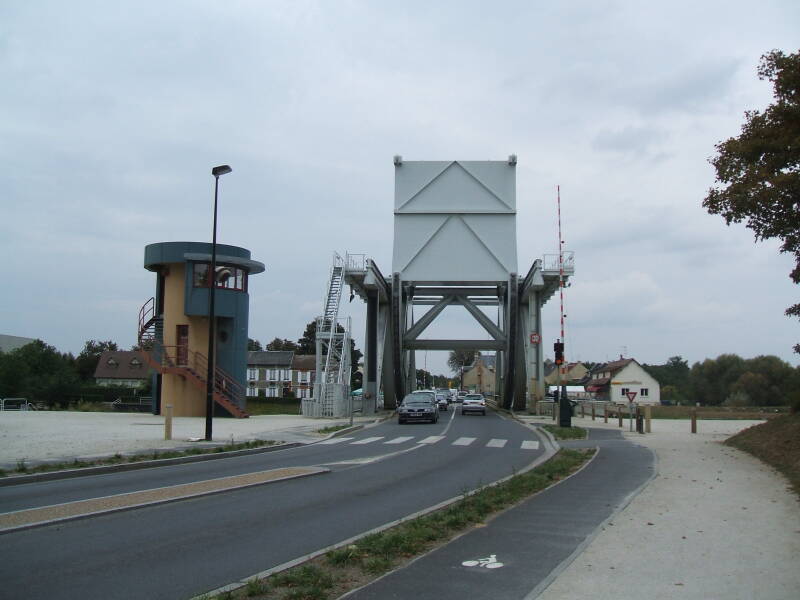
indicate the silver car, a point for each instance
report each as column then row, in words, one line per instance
column 473, row 403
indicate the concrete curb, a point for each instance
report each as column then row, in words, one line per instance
column 318, row 471
column 134, row 466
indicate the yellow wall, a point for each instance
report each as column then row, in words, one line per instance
column 187, row 399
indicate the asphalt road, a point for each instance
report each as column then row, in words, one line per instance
column 518, row 553
column 185, row 548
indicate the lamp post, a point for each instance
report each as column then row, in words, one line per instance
column 212, row 277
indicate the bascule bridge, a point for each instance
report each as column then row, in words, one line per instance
column 454, row 244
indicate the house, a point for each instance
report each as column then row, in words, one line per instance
column 269, row 373
column 304, row 370
column 480, row 376
column 122, row 368
column 614, row 381
column 572, row 372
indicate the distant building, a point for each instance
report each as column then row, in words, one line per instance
column 481, row 375
column 573, row 373
column 269, row 373
column 304, row 367
column 120, row 367
column 12, row 342
column 614, row 380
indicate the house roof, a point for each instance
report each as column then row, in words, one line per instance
column 270, row 358
column 616, row 366
column 489, row 361
column 121, row 364
column 305, row 362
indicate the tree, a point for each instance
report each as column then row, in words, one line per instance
column 279, row 344
column 86, row 362
column 254, row 345
column 39, row 373
column 759, row 171
column 307, row 344
column 673, row 376
column 711, row 381
column 460, row 358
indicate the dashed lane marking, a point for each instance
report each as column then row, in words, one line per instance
column 337, row 440
column 530, row 445
column 496, row 443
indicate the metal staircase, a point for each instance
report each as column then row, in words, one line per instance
column 190, row 365
column 332, row 386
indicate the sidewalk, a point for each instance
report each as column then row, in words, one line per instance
column 714, row 523
column 62, row 436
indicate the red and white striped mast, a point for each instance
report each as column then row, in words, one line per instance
column 559, row 345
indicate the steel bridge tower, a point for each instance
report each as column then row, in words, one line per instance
column 454, row 244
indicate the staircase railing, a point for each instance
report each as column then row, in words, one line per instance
column 147, row 318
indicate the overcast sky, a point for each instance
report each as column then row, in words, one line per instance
column 113, row 113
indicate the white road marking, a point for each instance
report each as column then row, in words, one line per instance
column 368, row 440
column 431, row 439
column 338, row 440
column 495, row 443
column 400, row 440
column 463, row 441
column 530, row 445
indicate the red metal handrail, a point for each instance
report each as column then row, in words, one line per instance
column 197, row 362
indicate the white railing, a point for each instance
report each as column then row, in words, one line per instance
column 550, row 261
column 355, row 262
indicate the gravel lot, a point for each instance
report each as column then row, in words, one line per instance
column 715, row 523
column 58, row 436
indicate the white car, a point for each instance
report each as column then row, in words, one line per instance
column 473, row 403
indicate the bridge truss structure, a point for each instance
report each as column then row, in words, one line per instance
column 454, row 244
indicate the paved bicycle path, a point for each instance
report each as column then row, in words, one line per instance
column 535, row 540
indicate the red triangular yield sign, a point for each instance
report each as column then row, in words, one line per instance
column 631, row 396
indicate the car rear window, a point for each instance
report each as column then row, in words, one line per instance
column 473, row 397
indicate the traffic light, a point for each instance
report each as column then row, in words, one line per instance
column 558, row 347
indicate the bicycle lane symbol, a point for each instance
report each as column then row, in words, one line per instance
column 490, row 562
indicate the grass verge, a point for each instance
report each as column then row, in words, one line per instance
column 332, row 429
column 350, row 567
column 777, row 443
column 566, row 433
column 23, row 469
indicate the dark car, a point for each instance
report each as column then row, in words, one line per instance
column 418, row 407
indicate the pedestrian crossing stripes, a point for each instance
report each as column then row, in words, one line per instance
column 495, row 443
column 368, row 440
column 463, row 441
column 431, row 439
column 400, row 440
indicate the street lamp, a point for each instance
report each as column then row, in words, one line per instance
column 212, row 277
